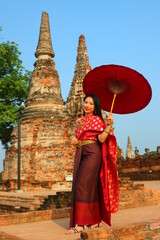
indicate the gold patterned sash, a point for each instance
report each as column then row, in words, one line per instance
column 85, row 142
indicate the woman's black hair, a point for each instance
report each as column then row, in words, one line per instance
column 97, row 104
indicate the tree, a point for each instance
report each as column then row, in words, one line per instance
column 14, row 83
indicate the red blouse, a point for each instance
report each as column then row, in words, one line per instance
column 89, row 123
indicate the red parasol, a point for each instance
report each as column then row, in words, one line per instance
column 131, row 90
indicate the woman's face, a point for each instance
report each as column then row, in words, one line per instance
column 88, row 106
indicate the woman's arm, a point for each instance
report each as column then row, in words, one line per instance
column 103, row 136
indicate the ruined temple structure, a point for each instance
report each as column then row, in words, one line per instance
column 129, row 152
column 46, row 126
column 141, row 168
column 76, row 95
column 120, row 153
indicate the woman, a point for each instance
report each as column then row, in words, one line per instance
column 95, row 192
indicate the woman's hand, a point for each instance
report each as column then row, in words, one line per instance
column 74, row 140
column 103, row 136
column 110, row 120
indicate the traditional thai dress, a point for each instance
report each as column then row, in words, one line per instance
column 95, row 191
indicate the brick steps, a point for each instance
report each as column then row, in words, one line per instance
column 131, row 195
column 130, row 224
column 32, row 216
column 18, row 207
column 136, row 195
column 21, row 204
column 149, row 230
column 13, row 202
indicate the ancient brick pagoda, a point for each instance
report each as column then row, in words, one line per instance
column 129, row 152
column 76, row 94
column 44, row 98
column 46, row 125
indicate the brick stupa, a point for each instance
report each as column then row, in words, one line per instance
column 129, row 152
column 46, row 126
column 76, row 95
column 82, row 67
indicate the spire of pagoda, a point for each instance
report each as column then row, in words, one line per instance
column 82, row 56
column 82, row 67
column 129, row 142
column 129, row 152
column 44, row 47
column 44, row 97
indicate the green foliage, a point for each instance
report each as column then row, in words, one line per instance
column 14, row 83
column 0, row 176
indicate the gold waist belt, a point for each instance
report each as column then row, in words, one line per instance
column 85, row 142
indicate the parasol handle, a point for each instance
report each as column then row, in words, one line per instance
column 113, row 102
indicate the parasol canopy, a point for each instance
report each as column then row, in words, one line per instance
column 131, row 90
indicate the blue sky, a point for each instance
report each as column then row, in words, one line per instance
column 116, row 32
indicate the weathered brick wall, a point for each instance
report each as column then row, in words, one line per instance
column 46, row 152
column 140, row 168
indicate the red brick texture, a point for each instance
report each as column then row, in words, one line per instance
column 140, row 169
column 134, row 232
column 46, row 155
column 26, row 217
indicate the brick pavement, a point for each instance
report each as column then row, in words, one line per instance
column 55, row 229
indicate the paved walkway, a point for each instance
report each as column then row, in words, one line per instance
column 55, row 229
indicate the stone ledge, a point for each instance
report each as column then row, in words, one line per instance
column 150, row 230
column 5, row 236
column 34, row 216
